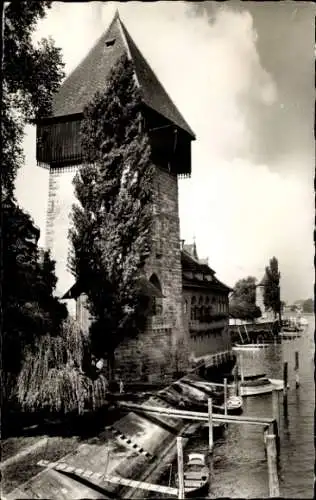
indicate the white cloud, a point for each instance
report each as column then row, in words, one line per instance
column 241, row 213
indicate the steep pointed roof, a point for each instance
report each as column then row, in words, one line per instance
column 91, row 75
column 264, row 280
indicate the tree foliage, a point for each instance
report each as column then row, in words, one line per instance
column 271, row 292
column 242, row 303
column 308, row 306
column 111, row 231
column 30, row 76
column 28, row 283
column 54, row 378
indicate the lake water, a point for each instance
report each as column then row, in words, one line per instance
column 240, row 466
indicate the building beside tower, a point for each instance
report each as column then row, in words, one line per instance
column 173, row 277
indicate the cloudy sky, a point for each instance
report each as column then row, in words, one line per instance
column 242, row 74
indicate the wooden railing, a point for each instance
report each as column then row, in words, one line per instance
column 215, row 358
column 202, row 326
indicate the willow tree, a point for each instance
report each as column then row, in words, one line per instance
column 54, row 375
column 111, row 230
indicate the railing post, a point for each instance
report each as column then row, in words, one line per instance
column 241, row 366
column 285, row 382
column 266, row 431
column 225, row 396
column 274, row 490
column 285, row 378
column 236, row 379
column 296, row 368
column 180, row 467
column 276, row 407
column 210, row 424
column 210, row 439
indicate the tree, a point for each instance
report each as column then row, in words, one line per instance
column 30, row 75
column 308, row 306
column 243, row 300
column 271, row 291
column 29, row 307
column 111, row 234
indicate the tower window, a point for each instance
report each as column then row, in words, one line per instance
column 185, row 307
column 110, row 43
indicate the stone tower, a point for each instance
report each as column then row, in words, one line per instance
column 59, row 150
column 265, row 315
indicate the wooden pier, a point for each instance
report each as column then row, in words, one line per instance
column 197, row 415
column 89, row 475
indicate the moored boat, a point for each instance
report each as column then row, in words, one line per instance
column 234, row 405
column 288, row 335
column 196, row 475
column 303, row 322
column 251, row 347
column 294, row 325
column 262, row 385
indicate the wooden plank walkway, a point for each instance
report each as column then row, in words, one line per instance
column 197, row 415
column 122, row 481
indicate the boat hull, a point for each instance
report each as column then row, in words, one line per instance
column 250, row 347
column 194, row 485
column 255, row 390
column 193, row 493
column 290, row 335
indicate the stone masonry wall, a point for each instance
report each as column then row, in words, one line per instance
column 165, row 349
column 165, row 262
column 210, row 343
column 60, row 200
column 146, row 358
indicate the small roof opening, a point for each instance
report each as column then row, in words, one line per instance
column 110, row 43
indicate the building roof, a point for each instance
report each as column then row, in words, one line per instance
column 91, row 74
column 189, row 263
column 190, row 248
column 145, row 286
column 192, row 268
column 264, row 280
column 214, row 285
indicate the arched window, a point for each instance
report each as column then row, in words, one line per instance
column 156, row 309
column 201, row 309
column 207, row 313
column 193, row 308
column 185, row 306
column 197, row 313
column 155, row 281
